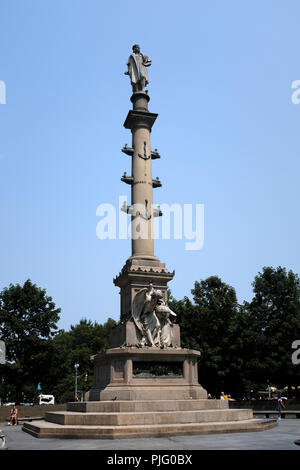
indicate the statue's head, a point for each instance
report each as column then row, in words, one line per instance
column 136, row 48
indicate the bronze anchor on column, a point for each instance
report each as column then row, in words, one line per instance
column 145, row 157
column 146, row 216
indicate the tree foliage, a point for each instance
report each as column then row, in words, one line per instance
column 74, row 346
column 37, row 354
column 272, row 323
column 27, row 320
column 243, row 347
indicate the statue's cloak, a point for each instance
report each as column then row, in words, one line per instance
column 137, row 67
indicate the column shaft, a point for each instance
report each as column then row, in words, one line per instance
column 142, row 193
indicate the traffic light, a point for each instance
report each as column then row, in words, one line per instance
column 2, row 380
column 86, row 377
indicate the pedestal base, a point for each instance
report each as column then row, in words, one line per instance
column 146, row 374
column 133, row 419
column 126, row 401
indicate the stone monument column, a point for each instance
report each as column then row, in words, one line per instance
column 142, row 267
column 145, row 384
column 140, row 122
column 146, row 342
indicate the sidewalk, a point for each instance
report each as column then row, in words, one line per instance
column 282, row 437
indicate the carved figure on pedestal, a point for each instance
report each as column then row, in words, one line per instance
column 163, row 312
column 136, row 69
column 151, row 317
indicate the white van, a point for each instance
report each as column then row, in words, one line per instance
column 46, row 399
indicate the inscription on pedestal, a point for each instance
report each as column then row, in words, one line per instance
column 157, row 369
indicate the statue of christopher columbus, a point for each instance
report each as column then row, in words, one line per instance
column 136, row 69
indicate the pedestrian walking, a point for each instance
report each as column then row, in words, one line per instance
column 280, row 406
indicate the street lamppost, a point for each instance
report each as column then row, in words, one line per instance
column 76, row 365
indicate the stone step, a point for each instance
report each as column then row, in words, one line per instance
column 155, row 405
column 147, row 418
column 43, row 429
column 150, row 392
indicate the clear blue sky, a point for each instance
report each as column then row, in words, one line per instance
column 227, row 131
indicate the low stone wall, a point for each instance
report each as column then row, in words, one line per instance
column 261, row 405
column 29, row 411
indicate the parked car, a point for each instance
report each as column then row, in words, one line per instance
column 46, row 399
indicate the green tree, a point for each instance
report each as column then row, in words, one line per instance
column 28, row 319
column 272, row 323
column 75, row 346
